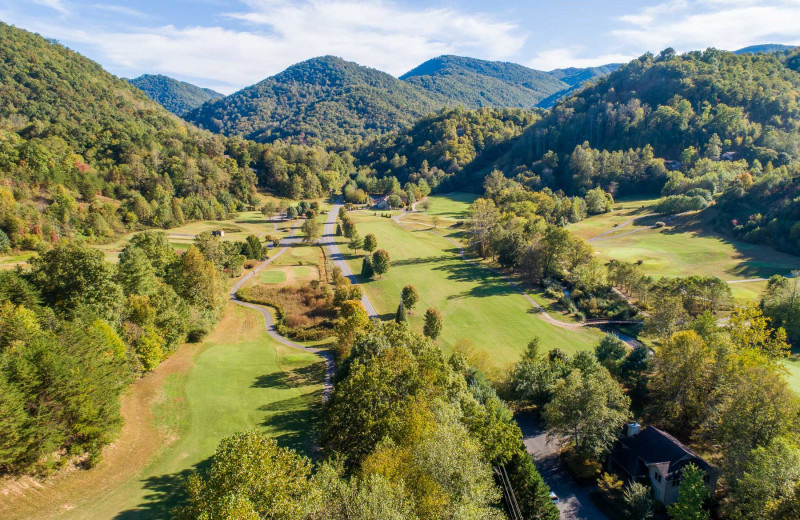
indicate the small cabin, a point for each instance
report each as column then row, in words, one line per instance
column 218, row 233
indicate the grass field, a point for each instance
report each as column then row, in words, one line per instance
column 685, row 245
column 239, row 379
column 793, row 377
column 477, row 304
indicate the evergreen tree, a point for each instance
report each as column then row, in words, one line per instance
column 367, row 271
column 135, row 272
column 400, row 316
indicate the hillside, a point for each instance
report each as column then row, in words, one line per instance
column 476, row 83
column 440, row 146
column 325, row 98
column 679, row 107
column 176, row 96
column 765, row 48
column 84, row 152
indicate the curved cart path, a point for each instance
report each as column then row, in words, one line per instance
column 541, row 312
column 269, row 323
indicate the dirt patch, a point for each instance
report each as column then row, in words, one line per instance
column 31, row 498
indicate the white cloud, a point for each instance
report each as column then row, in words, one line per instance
column 267, row 36
column 569, row 57
column 729, row 24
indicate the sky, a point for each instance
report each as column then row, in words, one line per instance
column 227, row 45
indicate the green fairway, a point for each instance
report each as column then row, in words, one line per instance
column 684, row 246
column 272, row 277
column 793, row 377
column 477, row 304
column 241, row 379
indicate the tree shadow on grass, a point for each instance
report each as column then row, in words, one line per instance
column 165, row 492
column 422, row 260
column 292, row 377
column 292, row 422
column 487, row 282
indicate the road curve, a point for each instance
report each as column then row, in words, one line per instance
column 269, row 322
column 329, row 240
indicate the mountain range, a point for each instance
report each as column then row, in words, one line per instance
column 330, row 98
column 176, row 96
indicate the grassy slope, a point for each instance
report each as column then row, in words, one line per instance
column 684, row 246
column 793, row 377
column 477, row 304
column 240, row 379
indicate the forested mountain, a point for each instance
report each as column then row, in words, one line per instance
column 577, row 76
column 441, row 145
column 766, row 48
column 681, row 108
column 324, row 98
column 476, row 83
column 328, row 98
column 176, row 96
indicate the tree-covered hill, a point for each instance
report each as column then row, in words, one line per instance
column 176, row 96
column 681, row 106
column 476, row 83
column 440, row 146
column 766, row 48
column 325, row 98
column 85, row 152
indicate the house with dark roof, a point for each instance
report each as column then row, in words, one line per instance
column 657, row 456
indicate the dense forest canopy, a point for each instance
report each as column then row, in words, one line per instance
column 323, row 98
column 477, row 83
column 176, row 96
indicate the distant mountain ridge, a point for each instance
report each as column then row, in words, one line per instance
column 330, row 98
column 476, row 83
column 765, row 48
column 176, row 96
column 325, row 98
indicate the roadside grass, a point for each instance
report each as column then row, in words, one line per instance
column 477, row 304
column 239, row 379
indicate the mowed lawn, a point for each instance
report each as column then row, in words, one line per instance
column 476, row 303
column 793, row 377
column 685, row 246
column 240, row 379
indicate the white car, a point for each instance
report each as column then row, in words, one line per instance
column 554, row 497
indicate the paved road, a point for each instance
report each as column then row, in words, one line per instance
column 269, row 322
column 574, row 502
column 329, row 240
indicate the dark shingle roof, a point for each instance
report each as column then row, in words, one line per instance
column 653, row 446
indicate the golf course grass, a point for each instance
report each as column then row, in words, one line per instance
column 793, row 377
column 239, row 378
column 686, row 245
column 272, row 277
column 477, row 304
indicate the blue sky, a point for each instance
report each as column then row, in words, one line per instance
column 227, row 45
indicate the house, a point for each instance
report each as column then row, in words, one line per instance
column 659, row 457
column 381, row 203
column 218, row 233
column 672, row 165
column 728, row 156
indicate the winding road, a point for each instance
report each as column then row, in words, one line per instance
column 329, row 241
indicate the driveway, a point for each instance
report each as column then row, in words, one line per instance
column 574, row 502
column 329, row 239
